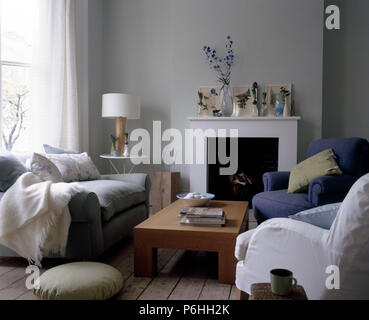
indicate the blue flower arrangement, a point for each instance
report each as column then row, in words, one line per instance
column 222, row 66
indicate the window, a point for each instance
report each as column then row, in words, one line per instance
column 17, row 19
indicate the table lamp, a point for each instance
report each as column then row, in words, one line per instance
column 120, row 106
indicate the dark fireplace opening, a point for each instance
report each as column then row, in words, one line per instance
column 255, row 157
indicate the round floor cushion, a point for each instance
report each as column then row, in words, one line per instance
column 79, row 281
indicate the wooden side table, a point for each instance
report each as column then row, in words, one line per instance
column 111, row 158
column 165, row 186
column 263, row 291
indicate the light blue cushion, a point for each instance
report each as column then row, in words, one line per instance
column 54, row 150
column 322, row 216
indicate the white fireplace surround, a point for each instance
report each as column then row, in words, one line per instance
column 283, row 128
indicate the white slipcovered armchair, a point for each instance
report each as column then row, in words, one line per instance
column 308, row 250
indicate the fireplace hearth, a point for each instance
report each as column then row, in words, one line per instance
column 255, row 157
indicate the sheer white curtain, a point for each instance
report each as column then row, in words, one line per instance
column 55, row 104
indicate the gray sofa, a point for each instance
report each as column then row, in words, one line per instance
column 103, row 214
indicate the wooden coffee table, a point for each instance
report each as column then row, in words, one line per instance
column 163, row 230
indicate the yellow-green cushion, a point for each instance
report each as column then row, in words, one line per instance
column 321, row 164
column 80, row 281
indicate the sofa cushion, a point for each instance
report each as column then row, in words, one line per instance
column 75, row 167
column 45, row 169
column 280, row 204
column 322, row 216
column 79, row 281
column 115, row 196
column 10, row 170
column 319, row 165
column 54, row 150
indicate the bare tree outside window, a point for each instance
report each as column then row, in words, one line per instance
column 17, row 21
column 14, row 102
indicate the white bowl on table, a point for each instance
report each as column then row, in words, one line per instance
column 199, row 199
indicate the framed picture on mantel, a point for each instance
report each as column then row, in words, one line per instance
column 209, row 100
column 286, row 97
column 245, row 101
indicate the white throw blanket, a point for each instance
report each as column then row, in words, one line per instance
column 35, row 218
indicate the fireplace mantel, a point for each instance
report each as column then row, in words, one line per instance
column 225, row 119
column 283, row 128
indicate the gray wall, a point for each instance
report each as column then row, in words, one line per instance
column 346, row 72
column 95, row 66
column 137, row 59
column 152, row 48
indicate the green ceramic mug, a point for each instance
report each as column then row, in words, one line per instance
column 282, row 281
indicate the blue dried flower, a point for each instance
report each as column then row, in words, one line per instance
column 221, row 65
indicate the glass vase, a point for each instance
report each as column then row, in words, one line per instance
column 278, row 105
column 287, row 107
column 227, row 101
column 264, row 110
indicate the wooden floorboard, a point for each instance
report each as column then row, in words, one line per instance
column 27, row 296
column 134, row 286
column 233, row 294
column 4, row 269
column 163, row 284
column 182, row 275
column 119, row 252
column 213, row 290
column 11, row 277
column 14, row 290
column 193, row 279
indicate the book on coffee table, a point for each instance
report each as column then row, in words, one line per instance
column 203, row 212
column 203, row 222
column 203, row 217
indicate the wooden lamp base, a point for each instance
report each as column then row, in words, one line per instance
column 120, row 130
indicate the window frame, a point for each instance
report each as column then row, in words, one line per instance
column 1, row 89
column 8, row 63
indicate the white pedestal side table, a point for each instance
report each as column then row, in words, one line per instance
column 111, row 159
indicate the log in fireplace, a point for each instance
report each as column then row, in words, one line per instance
column 255, row 157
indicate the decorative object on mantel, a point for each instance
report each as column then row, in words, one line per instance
column 126, row 142
column 217, row 113
column 210, row 101
column 254, row 93
column 227, row 101
column 222, row 66
column 121, row 107
column 270, row 100
column 246, row 101
column 114, row 151
column 264, row 107
column 287, row 106
column 278, row 104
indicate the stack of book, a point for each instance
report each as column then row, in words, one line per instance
column 203, row 216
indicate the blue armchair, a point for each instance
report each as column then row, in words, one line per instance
column 353, row 159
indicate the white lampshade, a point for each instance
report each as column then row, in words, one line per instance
column 115, row 105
